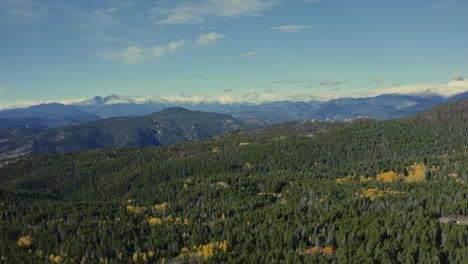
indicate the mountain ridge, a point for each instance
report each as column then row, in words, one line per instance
column 384, row 106
column 45, row 116
column 161, row 128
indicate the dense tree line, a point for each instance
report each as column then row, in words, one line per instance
column 246, row 198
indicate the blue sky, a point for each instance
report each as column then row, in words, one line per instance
column 54, row 50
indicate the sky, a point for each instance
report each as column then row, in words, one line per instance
column 64, row 50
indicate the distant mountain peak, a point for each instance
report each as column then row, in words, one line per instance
column 120, row 99
column 451, row 89
column 176, row 109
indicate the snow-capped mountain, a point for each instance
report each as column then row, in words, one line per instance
column 450, row 89
column 383, row 106
column 117, row 99
column 253, row 106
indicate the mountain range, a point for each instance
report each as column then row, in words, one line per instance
column 385, row 106
column 169, row 126
column 361, row 191
column 45, row 116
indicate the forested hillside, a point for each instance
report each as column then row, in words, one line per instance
column 169, row 126
column 359, row 192
column 44, row 116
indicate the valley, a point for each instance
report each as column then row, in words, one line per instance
column 357, row 192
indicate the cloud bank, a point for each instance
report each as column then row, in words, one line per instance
column 449, row 89
column 291, row 28
column 198, row 11
column 253, row 97
column 248, row 54
column 457, row 77
column 209, row 38
column 136, row 55
column 330, row 83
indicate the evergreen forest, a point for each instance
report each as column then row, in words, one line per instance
column 361, row 191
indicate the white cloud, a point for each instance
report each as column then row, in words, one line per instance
column 290, row 82
column 209, row 38
column 449, row 89
column 251, row 97
column 175, row 45
column 197, row 11
column 457, row 77
column 291, row 28
column 330, row 83
column 136, row 55
column 248, row 54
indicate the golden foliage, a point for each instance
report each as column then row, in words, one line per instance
column 160, row 207
column 389, row 176
column 416, row 172
column 142, row 256
column 245, row 144
column 374, row 193
column 25, row 242
column 313, row 250
column 345, row 179
column 364, row 179
column 326, row 251
column 135, row 209
column 56, row 259
column 223, row 246
column 163, row 221
column 135, row 256
column 371, row 193
column 459, row 181
column 187, row 182
column 215, row 149
column 205, row 251
column 350, row 178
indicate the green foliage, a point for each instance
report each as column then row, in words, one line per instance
column 285, row 207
